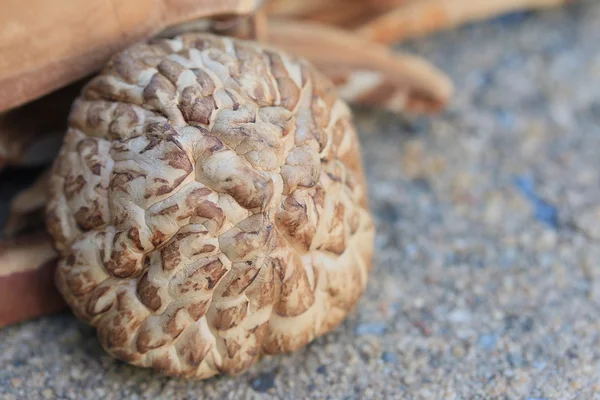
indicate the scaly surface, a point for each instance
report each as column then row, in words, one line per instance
column 209, row 206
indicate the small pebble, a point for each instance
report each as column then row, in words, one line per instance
column 372, row 328
column 389, row 357
column 488, row 342
column 16, row 382
column 515, row 360
column 264, row 382
column 459, row 316
column 459, row 351
column 369, row 347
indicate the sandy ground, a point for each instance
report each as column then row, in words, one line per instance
column 486, row 282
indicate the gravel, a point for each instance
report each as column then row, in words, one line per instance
column 486, row 282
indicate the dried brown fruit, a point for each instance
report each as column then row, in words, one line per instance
column 209, row 205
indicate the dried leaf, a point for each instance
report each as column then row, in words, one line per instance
column 420, row 17
column 299, row 8
column 365, row 72
column 49, row 44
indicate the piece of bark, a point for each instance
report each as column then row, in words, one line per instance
column 49, row 44
column 27, row 287
column 365, row 72
column 420, row 17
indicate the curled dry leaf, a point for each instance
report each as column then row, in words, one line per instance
column 66, row 49
column 347, row 14
column 419, row 17
column 336, row 12
column 390, row 21
column 49, row 44
column 300, row 8
column 365, row 72
column 209, row 206
column 26, row 279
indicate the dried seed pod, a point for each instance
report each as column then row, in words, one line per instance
column 209, row 205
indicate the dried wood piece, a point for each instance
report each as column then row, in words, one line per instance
column 365, row 72
column 48, row 44
column 420, row 17
column 27, row 288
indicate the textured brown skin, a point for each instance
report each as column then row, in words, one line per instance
column 209, row 206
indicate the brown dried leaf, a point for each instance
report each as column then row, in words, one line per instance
column 365, row 72
column 299, row 8
column 420, row 17
column 347, row 14
column 57, row 46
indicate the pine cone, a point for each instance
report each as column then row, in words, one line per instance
column 209, row 206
